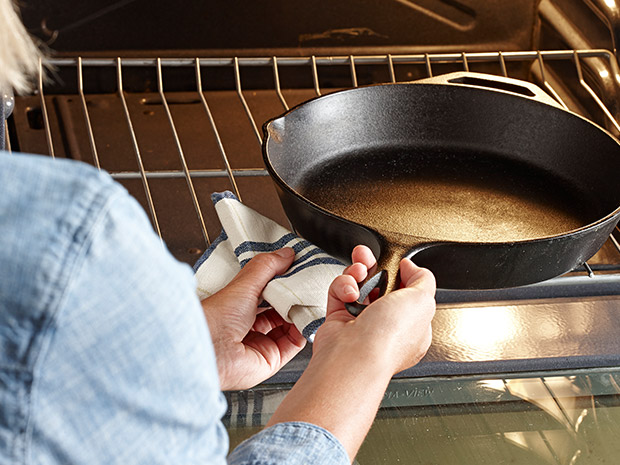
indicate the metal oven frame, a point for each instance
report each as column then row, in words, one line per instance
column 594, row 280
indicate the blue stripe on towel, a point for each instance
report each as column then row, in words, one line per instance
column 257, row 414
column 316, row 261
column 312, row 328
column 205, row 256
column 297, row 248
column 259, row 247
column 242, row 408
column 314, row 251
column 226, row 419
column 252, row 246
column 217, row 196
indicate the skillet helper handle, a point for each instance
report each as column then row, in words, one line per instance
column 493, row 82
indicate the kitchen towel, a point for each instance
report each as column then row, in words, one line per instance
column 299, row 295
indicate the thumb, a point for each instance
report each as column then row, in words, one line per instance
column 262, row 268
column 343, row 289
column 414, row 277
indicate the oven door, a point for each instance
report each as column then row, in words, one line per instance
column 565, row 417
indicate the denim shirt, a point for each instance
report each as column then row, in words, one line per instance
column 105, row 356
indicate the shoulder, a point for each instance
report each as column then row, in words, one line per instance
column 102, row 318
column 47, row 209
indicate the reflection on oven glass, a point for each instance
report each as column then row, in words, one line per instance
column 536, row 418
column 487, row 333
column 484, row 331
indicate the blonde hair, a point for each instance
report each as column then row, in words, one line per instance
column 19, row 56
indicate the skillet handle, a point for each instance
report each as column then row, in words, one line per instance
column 387, row 278
column 493, row 82
column 378, row 280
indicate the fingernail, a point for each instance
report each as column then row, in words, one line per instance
column 349, row 290
column 285, row 252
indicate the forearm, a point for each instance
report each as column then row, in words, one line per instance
column 339, row 391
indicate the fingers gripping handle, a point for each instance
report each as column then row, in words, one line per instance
column 386, row 280
column 378, row 280
column 395, row 248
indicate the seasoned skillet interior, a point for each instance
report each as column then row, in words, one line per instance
column 448, row 195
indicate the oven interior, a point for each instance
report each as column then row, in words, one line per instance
column 171, row 104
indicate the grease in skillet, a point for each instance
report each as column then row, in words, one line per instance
column 448, row 195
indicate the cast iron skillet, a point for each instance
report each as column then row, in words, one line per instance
column 487, row 181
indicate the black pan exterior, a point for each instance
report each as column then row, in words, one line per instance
column 448, row 118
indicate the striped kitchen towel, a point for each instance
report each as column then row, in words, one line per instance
column 299, row 295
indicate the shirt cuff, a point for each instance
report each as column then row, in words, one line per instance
column 292, row 443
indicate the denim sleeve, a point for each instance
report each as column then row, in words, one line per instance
column 105, row 356
column 292, row 443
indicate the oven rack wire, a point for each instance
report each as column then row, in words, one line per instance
column 539, row 61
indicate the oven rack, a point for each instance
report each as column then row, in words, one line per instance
column 587, row 67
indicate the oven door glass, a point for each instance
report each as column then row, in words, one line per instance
column 553, row 418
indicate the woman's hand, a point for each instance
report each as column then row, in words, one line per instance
column 354, row 358
column 397, row 325
column 250, row 344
